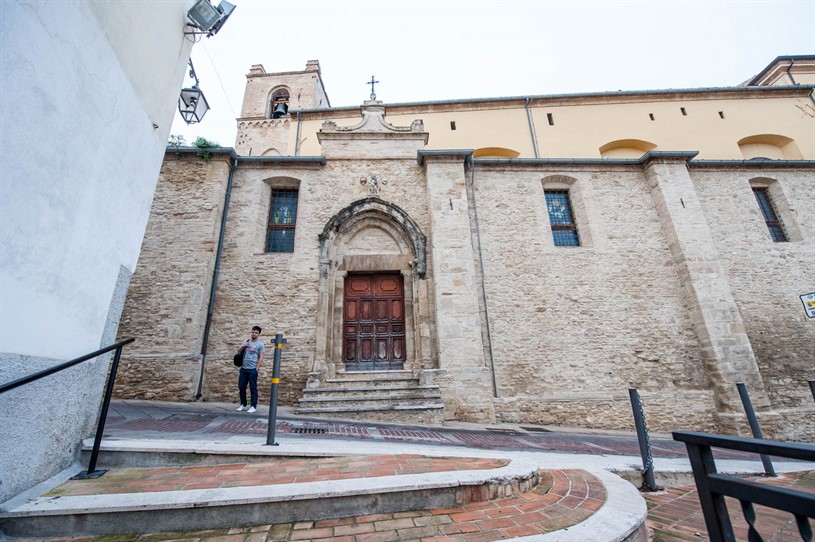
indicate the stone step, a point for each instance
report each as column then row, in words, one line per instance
column 372, row 391
column 362, row 380
column 394, row 396
column 365, row 403
column 375, row 374
column 426, row 414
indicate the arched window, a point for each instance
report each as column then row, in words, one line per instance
column 775, row 209
column 279, row 105
column 565, row 205
column 495, row 152
column 769, row 146
column 626, row 148
column 283, row 193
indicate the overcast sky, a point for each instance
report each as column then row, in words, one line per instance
column 448, row 49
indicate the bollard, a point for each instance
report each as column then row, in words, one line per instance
column 642, row 437
column 751, row 418
column 270, row 431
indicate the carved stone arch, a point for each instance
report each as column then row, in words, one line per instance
column 376, row 207
column 371, row 236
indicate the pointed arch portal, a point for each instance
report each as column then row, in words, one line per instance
column 372, row 294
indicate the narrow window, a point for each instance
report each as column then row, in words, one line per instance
column 684, row 113
column 564, row 231
column 282, row 221
column 651, row 116
column 550, row 119
column 763, row 199
column 452, row 125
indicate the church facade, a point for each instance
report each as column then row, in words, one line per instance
column 523, row 259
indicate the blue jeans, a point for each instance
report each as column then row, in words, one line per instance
column 250, row 376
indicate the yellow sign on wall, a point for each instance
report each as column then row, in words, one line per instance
column 809, row 304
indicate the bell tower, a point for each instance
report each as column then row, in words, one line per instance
column 270, row 104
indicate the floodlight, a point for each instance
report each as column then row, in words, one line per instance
column 204, row 15
column 225, row 9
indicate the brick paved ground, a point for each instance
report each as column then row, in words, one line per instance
column 674, row 515
column 563, row 498
column 274, row 471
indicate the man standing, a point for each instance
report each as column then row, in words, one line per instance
column 253, row 350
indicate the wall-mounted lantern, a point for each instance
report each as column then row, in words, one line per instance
column 192, row 104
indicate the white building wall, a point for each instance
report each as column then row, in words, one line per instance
column 89, row 91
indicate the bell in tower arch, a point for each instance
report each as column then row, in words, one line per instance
column 280, row 109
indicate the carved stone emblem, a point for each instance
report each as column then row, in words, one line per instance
column 373, row 181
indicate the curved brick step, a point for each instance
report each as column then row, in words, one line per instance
column 276, row 491
column 308, row 498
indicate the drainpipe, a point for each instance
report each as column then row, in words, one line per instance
column 471, row 163
column 232, row 167
column 297, row 136
column 789, row 72
column 531, row 129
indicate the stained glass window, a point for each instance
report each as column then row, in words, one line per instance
column 564, row 231
column 282, row 221
column 771, row 219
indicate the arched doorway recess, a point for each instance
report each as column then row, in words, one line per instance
column 372, row 240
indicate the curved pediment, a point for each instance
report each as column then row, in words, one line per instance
column 373, row 120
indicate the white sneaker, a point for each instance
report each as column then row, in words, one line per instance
column 251, row 409
column 241, row 408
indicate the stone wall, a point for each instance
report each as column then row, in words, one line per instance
column 167, row 301
column 573, row 328
column 280, row 291
column 569, row 329
column 766, row 279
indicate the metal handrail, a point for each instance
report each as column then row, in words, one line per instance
column 714, row 487
column 56, row 368
column 103, row 414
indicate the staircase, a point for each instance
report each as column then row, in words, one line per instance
column 388, row 396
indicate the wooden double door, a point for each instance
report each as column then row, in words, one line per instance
column 374, row 322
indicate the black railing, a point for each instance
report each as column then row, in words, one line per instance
column 103, row 414
column 649, row 482
column 713, row 487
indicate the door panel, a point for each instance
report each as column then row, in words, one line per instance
column 374, row 322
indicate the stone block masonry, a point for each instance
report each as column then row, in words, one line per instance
column 167, row 301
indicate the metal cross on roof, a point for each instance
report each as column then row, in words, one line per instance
column 372, row 82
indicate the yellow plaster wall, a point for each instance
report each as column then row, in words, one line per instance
column 580, row 130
